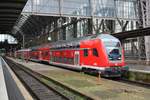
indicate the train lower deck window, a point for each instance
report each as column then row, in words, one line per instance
column 85, row 52
column 70, row 60
column 95, row 52
column 65, row 60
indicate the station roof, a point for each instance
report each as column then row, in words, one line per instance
column 133, row 33
column 9, row 13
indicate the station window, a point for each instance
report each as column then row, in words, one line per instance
column 95, row 52
column 85, row 52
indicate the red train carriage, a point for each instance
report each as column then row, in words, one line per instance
column 23, row 54
column 94, row 53
column 35, row 54
column 44, row 53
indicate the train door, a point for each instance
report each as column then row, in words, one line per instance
column 51, row 58
column 76, row 58
column 40, row 55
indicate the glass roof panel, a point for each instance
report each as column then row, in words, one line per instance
column 85, row 8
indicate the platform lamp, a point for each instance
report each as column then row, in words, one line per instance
column 49, row 36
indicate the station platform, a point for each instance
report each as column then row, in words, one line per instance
column 10, row 86
column 138, row 71
column 140, row 68
column 3, row 89
column 89, row 85
column 138, row 65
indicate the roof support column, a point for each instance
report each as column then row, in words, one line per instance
column 92, row 17
column 147, row 38
column 23, row 36
column 75, row 28
column 145, row 7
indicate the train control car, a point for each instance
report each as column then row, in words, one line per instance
column 101, row 53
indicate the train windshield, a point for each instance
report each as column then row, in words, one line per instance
column 112, row 45
column 113, row 50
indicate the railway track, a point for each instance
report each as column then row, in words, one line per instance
column 137, row 83
column 43, row 88
column 130, row 82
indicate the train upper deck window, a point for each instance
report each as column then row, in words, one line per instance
column 85, row 52
column 112, row 44
column 95, row 52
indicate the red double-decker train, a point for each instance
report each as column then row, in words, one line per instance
column 98, row 53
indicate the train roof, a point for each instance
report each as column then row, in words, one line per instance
column 40, row 46
column 25, row 50
column 76, row 41
column 100, row 36
column 107, row 37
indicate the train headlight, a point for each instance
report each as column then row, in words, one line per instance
column 95, row 64
column 110, row 58
column 119, row 58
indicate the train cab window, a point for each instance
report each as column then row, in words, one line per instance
column 95, row 52
column 85, row 52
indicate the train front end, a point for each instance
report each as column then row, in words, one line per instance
column 115, row 56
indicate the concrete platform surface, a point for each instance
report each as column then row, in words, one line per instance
column 3, row 89
column 145, row 68
column 102, row 89
column 138, row 65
